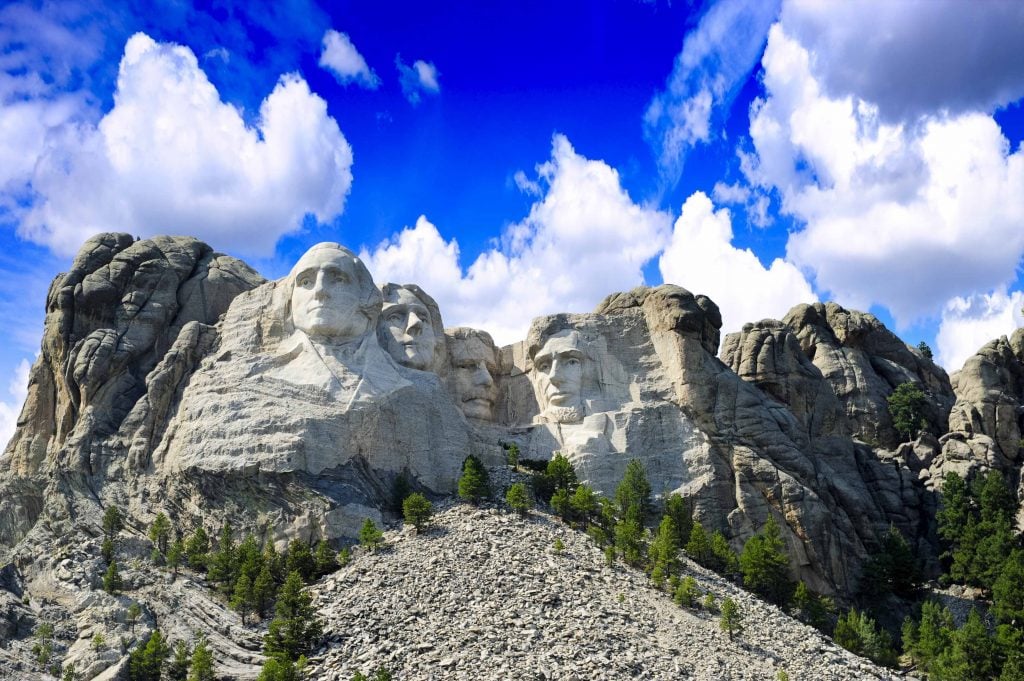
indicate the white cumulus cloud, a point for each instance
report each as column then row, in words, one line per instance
column 902, row 214
column 701, row 258
column 583, row 239
column 968, row 323
column 421, row 77
column 716, row 57
column 17, row 390
column 171, row 157
column 341, row 58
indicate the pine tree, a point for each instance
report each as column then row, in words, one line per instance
column 663, row 552
column 107, row 550
column 686, row 593
column 160, row 532
column 634, row 490
column 134, row 612
column 681, row 510
column 933, row 634
column 325, row 558
column 242, row 600
column 765, row 565
column 175, row 555
column 906, row 407
column 113, row 522
column 177, row 668
column 263, row 590
column 724, row 559
column 518, row 498
column 584, row 503
column 223, row 568
column 300, row 559
column 892, row 569
column 202, row 662
column 629, row 539
column 1007, row 592
column 512, row 455
column 560, row 503
column 474, row 486
column 112, row 582
column 417, row 509
column 971, row 655
column 278, row 669
column 370, row 535
column 295, row 627
column 698, row 547
column 196, row 549
column 146, row 662
column 562, row 474
column 810, row 607
column 731, row 620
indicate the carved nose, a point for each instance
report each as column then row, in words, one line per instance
column 415, row 325
column 483, row 376
column 319, row 290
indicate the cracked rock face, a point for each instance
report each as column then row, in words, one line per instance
column 176, row 379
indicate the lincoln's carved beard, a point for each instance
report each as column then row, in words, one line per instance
column 573, row 414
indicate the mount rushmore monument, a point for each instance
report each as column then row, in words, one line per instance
column 173, row 378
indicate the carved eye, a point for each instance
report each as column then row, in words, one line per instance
column 572, row 361
column 305, row 281
column 339, row 277
column 544, row 366
column 394, row 318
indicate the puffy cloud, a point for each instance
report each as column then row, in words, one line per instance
column 701, row 258
column 583, row 239
column 716, row 57
column 341, row 57
column 420, row 77
column 172, row 157
column 17, row 389
column 915, row 56
column 906, row 215
column 969, row 323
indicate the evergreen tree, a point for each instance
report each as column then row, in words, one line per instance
column 925, row 351
column 686, row 593
column 512, row 455
column 474, row 485
column 370, row 535
column 698, row 547
column 107, row 550
column 724, row 559
column 202, row 662
column 134, row 612
column 175, row 555
column 634, row 491
column 859, row 634
column 584, row 503
column 160, row 532
column 196, row 549
column 893, row 568
column 113, row 522
column 417, row 509
column 263, row 590
column 279, row 669
column 560, row 503
column 1008, row 591
column 933, row 634
column 810, row 607
column 300, row 559
column 295, row 627
column 177, row 668
column 562, row 474
column 681, row 511
column 325, row 558
column 223, row 568
column 663, row 552
column 629, row 539
column 146, row 662
column 242, row 599
column 906, row 407
column 971, row 655
column 112, row 582
column 730, row 620
column 765, row 565
column 518, row 499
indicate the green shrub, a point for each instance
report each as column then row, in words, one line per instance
column 417, row 510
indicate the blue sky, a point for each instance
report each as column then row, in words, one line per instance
column 528, row 158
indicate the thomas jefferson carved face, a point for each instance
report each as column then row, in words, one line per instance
column 329, row 296
column 473, row 369
column 408, row 329
column 558, row 375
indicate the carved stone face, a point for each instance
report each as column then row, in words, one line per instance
column 558, row 372
column 473, row 368
column 327, row 296
column 409, row 333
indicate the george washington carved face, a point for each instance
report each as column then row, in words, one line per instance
column 333, row 298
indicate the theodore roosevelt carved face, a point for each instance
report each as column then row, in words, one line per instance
column 472, row 375
column 410, row 326
column 333, row 297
